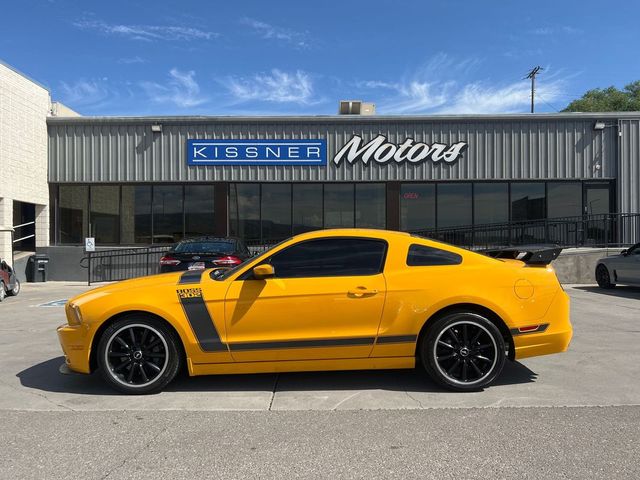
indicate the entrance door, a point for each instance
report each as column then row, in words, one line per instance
column 597, row 202
column 325, row 301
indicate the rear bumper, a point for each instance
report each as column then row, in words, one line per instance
column 555, row 338
column 76, row 347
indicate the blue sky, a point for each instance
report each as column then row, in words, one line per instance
column 294, row 57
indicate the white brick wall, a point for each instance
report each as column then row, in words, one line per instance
column 24, row 106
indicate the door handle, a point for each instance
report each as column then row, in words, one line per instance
column 362, row 292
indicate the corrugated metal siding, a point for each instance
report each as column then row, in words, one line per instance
column 99, row 151
column 629, row 172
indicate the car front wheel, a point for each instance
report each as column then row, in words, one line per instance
column 139, row 355
column 603, row 278
column 463, row 351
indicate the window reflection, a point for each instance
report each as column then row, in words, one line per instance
column 307, row 207
column 276, row 211
column 417, row 206
column 527, row 201
column 73, row 205
column 199, row 215
column 167, row 213
column 491, row 203
column 244, row 211
column 454, row 204
column 338, row 205
column 105, row 213
column 135, row 224
column 564, row 199
column 371, row 205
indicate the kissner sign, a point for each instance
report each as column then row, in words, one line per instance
column 257, row 152
column 379, row 150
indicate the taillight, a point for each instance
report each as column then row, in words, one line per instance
column 228, row 261
column 169, row 260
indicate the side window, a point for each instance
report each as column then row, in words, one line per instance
column 330, row 257
column 422, row 256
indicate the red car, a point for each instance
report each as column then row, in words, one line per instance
column 9, row 284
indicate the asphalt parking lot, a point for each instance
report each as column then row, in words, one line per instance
column 572, row 415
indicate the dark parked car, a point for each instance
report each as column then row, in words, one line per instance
column 204, row 252
column 9, row 284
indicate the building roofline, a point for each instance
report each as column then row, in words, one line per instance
column 24, row 75
column 340, row 118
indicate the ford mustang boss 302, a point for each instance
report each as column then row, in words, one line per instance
column 327, row 300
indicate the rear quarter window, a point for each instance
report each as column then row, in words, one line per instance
column 423, row 256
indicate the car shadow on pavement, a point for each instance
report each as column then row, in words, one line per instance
column 618, row 291
column 46, row 377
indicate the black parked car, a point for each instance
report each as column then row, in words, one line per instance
column 9, row 284
column 204, row 252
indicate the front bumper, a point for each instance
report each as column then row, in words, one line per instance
column 555, row 338
column 76, row 346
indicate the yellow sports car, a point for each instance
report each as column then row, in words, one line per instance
column 327, row 300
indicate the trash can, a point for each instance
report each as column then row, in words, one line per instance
column 37, row 268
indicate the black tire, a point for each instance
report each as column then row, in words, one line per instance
column 603, row 278
column 15, row 290
column 3, row 292
column 134, row 362
column 463, row 351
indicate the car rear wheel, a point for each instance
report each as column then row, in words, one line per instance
column 15, row 290
column 139, row 355
column 463, row 351
column 603, row 278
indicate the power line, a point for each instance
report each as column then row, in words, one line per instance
column 532, row 75
column 548, row 104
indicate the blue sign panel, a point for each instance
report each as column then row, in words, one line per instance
column 257, row 152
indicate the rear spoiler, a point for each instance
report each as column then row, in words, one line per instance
column 529, row 254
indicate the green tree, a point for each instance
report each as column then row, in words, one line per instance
column 608, row 100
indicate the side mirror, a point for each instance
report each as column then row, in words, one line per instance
column 624, row 252
column 263, row 271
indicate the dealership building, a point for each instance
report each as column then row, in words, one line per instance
column 139, row 181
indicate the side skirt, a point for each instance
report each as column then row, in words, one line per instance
column 388, row 363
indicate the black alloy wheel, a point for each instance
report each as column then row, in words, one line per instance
column 603, row 278
column 463, row 351
column 139, row 355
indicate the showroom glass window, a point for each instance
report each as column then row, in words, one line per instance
column 135, row 220
column 417, row 206
column 275, row 211
column 73, row 213
column 371, row 204
column 527, row 201
column 307, row 207
column 454, row 204
column 490, row 203
column 332, row 257
column 199, row 214
column 167, row 213
column 105, row 214
column 244, row 211
column 564, row 199
column 338, row 205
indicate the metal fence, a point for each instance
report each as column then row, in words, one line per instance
column 609, row 230
column 123, row 263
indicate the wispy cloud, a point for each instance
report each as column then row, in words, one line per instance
column 276, row 86
column 84, row 92
column 272, row 32
column 131, row 60
column 554, row 30
column 439, row 87
column 181, row 90
column 147, row 33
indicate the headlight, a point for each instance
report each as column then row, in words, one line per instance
column 74, row 317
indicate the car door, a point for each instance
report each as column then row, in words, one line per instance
column 628, row 266
column 324, row 301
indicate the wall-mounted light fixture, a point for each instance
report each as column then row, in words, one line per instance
column 599, row 125
column 156, row 128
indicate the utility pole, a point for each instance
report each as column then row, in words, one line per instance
column 532, row 75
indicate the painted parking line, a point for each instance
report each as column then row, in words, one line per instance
column 54, row 303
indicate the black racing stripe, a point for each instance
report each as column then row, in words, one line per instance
column 397, row 339
column 202, row 324
column 190, row 276
column 540, row 329
column 330, row 342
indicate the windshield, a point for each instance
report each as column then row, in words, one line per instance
column 206, row 247
column 233, row 270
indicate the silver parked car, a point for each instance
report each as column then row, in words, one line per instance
column 623, row 268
